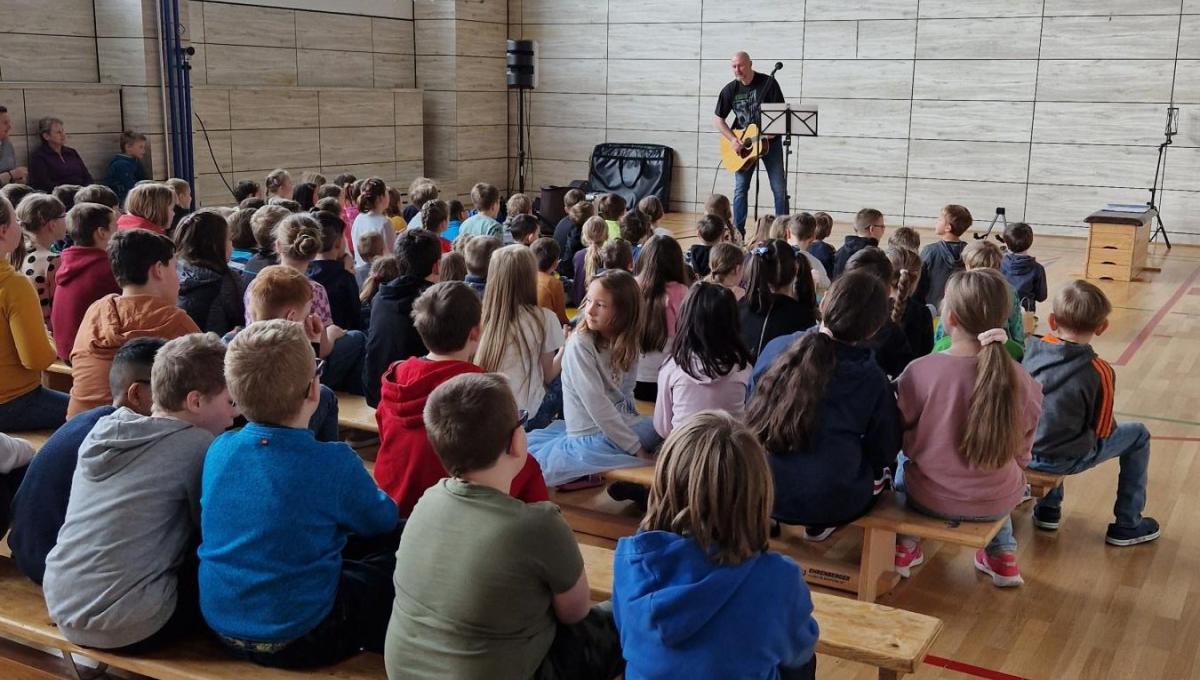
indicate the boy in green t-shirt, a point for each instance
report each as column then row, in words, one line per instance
column 488, row 586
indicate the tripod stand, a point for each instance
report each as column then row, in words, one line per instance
column 1171, row 130
column 1000, row 217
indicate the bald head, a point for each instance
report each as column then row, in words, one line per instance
column 743, row 68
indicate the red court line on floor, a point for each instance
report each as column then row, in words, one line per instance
column 1148, row 329
column 977, row 671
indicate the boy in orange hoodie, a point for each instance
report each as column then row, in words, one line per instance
column 143, row 264
column 447, row 318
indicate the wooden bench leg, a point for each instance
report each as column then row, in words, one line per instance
column 84, row 672
column 878, row 560
column 885, row 674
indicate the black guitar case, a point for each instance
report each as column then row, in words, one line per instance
column 634, row 171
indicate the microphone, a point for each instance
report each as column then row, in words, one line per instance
column 778, row 65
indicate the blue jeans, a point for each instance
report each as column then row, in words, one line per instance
column 324, row 421
column 551, row 408
column 37, row 409
column 344, row 365
column 1003, row 541
column 773, row 160
column 1130, row 442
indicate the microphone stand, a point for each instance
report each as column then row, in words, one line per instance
column 758, row 162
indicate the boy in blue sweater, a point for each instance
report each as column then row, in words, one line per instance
column 126, row 169
column 1026, row 275
column 40, row 506
column 287, row 578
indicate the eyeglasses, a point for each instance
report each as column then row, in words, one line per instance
column 320, row 370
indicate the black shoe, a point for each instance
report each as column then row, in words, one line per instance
column 1144, row 532
column 628, row 491
column 1047, row 518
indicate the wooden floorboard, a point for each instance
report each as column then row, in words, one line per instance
column 1087, row 610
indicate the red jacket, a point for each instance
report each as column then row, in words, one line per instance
column 406, row 464
column 83, row 276
column 131, row 221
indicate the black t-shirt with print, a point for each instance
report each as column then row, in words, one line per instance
column 743, row 99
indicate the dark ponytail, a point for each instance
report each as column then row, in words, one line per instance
column 786, row 402
column 772, row 267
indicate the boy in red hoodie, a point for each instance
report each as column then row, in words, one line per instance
column 83, row 275
column 447, row 318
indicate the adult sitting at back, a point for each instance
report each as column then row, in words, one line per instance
column 54, row 163
column 9, row 170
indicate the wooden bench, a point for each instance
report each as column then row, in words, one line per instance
column 355, row 414
column 893, row 640
column 58, row 377
column 23, row 618
column 872, row 575
column 1042, row 483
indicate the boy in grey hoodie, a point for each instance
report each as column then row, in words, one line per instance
column 123, row 570
column 1077, row 430
column 940, row 260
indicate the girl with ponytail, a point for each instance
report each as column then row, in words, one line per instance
column 969, row 416
column 825, row 411
column 913, row 317
column 770, row 308
column 891, row 346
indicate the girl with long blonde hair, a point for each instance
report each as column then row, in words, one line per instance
column 602, row 430
column 518, row 339
column 969, row 416
column 589, row 261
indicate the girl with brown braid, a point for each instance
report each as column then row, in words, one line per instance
column 969, row 417
column 913, row 317
column 825, row 412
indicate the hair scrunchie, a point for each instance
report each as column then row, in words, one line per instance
column 824, row 330
column 993, row 335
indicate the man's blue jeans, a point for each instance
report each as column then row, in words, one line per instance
column 1130, row 442
column 773, row 161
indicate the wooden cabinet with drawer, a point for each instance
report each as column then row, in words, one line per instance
column 1117, row 244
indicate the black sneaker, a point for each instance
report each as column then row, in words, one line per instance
column 1047, row 518
column 628, row 491
column 1143, row 533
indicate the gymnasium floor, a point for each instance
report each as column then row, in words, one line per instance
column 1087, row 610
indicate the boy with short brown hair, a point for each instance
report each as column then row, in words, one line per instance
column 487, row 205
column 282, row 581
column 121, row 571
column 939, row 261
column 1077, row 430
column 83, row 274
column 489, row 564
column 551, row 293
column 447, row 318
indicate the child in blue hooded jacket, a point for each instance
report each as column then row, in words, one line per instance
column 698, row 581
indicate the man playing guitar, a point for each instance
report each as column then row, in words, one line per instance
column 742, row 96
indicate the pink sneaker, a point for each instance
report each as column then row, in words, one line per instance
column 908, row 557
column 1002, row 568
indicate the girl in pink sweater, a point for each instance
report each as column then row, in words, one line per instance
column 708, row 366
column 969, row 417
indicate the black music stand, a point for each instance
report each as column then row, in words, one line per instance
column 787, row 121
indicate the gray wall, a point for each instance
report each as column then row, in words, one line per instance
column 1047, row 107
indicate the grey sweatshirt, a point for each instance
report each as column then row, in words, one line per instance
column 133, row 513
column 592, row 400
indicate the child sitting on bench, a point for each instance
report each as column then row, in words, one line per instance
column 1077, row 431
column 288, row 577
column 699, row 581
column 825, row 412
column 488, row 586
column 969, row 416
column 123, row 571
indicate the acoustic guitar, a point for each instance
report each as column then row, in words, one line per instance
column 735, row 159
